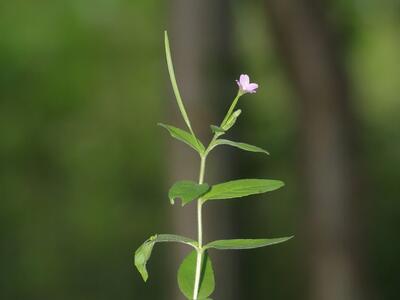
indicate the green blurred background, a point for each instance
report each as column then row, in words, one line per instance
column 84, row 170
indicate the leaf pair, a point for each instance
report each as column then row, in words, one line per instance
column 186, row 272
column 197, row 145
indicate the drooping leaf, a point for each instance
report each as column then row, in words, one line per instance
column 185, row 137
column 143, row 253
column 217, row 129
column 238, row 244
column 187, row 274
column 241, row 187
column 243, row 146
column 187, row 191
column 231, row 120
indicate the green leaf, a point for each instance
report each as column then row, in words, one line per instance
column 185, row 137
column 187, row 191
column 187, row 274
column 241, row 188
column 231, row 120
column 174, row 84
column 160, row 238
column 217, row 129
column 238, row 244
column 243, row 146
column 143, row 253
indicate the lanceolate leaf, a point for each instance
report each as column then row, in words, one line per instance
column 187, row 274
column 143, row 253
column 238, row 244
column 241, row 188
column 185, row 137
column 187, row 191
column 243, row 146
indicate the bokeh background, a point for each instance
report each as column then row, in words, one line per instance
column 84, row 170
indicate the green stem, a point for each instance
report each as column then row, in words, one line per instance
column 200, row 250
column 228, row 114
column 231, row 108
column 200, row 232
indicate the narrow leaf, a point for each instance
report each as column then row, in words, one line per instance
column 174, row 84
column 231, row 120
column 185, row 137
column 243, row 146
column 187, row 191
column 187, row 274
column 241, row 188
column 160, row 238
column 143, row 253
column 238, row 244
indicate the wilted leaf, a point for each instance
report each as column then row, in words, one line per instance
column 143, row 253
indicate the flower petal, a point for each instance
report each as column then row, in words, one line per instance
column 244, row 80
column 252, row 87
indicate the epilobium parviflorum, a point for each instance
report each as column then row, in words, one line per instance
column 196, row 275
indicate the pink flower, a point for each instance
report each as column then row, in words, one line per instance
column 245, row 86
